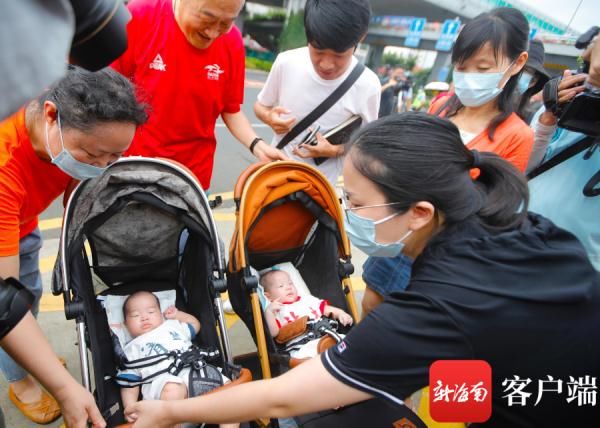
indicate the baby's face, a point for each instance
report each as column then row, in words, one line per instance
column 281, row 288
column 142, row 314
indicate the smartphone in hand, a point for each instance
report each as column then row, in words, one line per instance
column 310, row 137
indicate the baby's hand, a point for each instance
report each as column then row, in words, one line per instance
column 345, row 318
column 275, row 306
column 171, row 312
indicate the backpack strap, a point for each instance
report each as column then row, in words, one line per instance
column 444, row 106
column 323, row 107
column 566, row 154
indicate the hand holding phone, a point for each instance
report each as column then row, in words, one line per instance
column 310, row 137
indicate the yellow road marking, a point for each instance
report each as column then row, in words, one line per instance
column 51, row 223
column 357, row 283
column 51, row 303
column 231, row 319
column 47, row 264
column 224, row 216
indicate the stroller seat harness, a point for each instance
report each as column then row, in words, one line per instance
column 316, row 329
column 203, row 376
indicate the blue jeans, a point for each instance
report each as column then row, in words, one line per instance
column 30, row 277
column 387, row 275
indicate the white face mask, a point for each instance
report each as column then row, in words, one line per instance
column 67, row 163
column 361, row 231
column 476, row 89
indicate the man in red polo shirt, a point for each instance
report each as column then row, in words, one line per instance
column 187, row 59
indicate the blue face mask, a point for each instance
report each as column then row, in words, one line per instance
column 476, row 89
column 68, row 164
column 361, row 232
column 524, row 82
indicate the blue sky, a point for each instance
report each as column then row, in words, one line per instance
column 562, row 10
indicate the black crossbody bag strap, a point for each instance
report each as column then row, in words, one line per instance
column 323, row 107
column 566, row 154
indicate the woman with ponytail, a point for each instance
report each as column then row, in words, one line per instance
column 490, row 282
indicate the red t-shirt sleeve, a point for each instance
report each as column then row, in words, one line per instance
column 234, row 95
column 125, row 64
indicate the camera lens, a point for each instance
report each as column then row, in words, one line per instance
column 100, row 32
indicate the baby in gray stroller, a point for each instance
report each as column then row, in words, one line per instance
column 155, row 333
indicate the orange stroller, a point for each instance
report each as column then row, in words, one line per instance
column 287, row 212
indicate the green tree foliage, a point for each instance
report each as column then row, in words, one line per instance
column 407, row 62
column 420, row 77
column 258, row 64
column 293, row 35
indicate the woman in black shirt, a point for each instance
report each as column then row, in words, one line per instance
column 490, row 282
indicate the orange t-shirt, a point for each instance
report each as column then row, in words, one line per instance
column 28, row 184
column 513, row 139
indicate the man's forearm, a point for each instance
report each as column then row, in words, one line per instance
column 262, row 112
column 240, row 127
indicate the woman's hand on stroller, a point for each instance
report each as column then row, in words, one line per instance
column 149, row 413
column 78, row 406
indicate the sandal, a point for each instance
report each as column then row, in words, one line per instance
column 43, row 411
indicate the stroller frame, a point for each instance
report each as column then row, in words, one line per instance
column 75, row 309
column 239, row 263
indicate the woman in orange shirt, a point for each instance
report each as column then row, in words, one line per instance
column 488, row 56
column 73, row 131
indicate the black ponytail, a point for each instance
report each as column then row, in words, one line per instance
column 414, row 157
column 505, row 191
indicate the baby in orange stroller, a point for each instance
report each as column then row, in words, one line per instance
column 289, row 312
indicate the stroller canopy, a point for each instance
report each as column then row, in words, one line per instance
column 261, row 186
column 164, row 197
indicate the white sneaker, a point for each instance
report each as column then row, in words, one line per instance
column 227, row 308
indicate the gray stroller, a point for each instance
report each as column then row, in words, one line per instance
column 145, row 224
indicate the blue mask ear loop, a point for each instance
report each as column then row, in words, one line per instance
column 47, row 142
column 504, row 72
column 62, row 142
